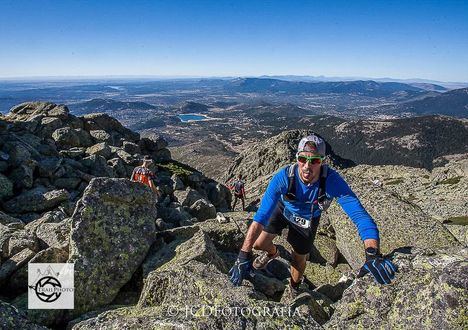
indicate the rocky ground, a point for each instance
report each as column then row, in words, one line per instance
column 210, row 156
column 147, row 263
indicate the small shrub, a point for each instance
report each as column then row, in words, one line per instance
column 462, row 220
column 453, row 180
column 396, row 181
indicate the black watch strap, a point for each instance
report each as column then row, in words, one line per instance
column 372, row 253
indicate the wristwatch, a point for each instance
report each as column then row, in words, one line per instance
column 371, row 252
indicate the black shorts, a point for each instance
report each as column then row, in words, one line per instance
column 301, row 239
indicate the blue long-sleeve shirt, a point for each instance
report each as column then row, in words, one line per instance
column 335, row 187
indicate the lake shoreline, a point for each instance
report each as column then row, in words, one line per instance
column 193, row 117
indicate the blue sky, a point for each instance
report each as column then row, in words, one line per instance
column 407, row 39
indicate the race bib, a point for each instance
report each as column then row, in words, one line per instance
column 296, row 220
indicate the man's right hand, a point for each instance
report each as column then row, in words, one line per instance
column 241, row 269
column 382, row 269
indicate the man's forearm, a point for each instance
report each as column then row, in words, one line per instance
column 254, row 231
column 373, row 243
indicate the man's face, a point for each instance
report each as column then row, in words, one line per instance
column 147, row 163
column 309, row 169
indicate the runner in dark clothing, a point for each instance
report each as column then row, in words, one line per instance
column 238, row 187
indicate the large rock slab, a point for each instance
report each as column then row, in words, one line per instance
column 49, row 166
column 102, row 121
column 5, row 234
column 23, row 176
column 152, row 142
column 18, row 281
column 161, row 155
column 6, row 187
column 430, row 292
column 99, row 149
column 54, row 234
column 20, row 240
column 28, row 110
column 174, row 215
column 48, row 126
column 227, row 237
column 12, row 318
column 187, row 285
column 67, row 137
column 97, row 165
column 203, row 210
column 18, row 152
column 100, row 136
column 6, row 220
column 187, row 197
column 460, row 232
column 131, row 148
column 441, row 193
column 400, row 224
column 118, row 167
column 324, row 250
column 219, row 195
column 321, row 275
column 44, row 317
column 48, row 217
column 112, row 230
column 14, row 263
column 36, row 200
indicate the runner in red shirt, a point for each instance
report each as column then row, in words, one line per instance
column 144, row 175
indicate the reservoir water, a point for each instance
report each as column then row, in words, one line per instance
column 191, row 117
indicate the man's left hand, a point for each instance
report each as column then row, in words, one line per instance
column 242, row 268
column 382, row 269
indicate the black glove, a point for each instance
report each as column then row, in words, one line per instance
column 241, row 269
column 382, row 269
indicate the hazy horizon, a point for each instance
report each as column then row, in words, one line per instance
column 188, row 77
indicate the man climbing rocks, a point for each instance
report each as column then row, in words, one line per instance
column 144, row 175
column 295, row 198
column 238, row 187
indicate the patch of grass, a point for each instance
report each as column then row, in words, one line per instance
column 453, row 180
column 462, row 220
column 177, row 168
column 396, row 181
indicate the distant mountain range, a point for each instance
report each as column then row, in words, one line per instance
column 155, row 122
column 429, row 87
column 132, row 101
column 108, row 106
column 415, row 141
column 452, row 103
column 413, row 81
column 360, row 87
column 194, row 107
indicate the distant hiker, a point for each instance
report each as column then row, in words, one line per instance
column 144, row 175
column 238, row 187
column 295, row 198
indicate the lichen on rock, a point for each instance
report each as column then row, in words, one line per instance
column 112, row 229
